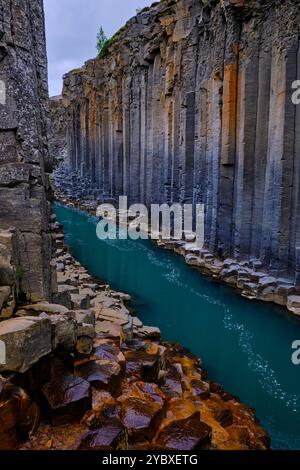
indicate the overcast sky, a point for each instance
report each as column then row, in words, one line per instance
column 72, row 27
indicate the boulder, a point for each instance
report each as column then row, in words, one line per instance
column 110, row 435
column 68, row 397
column 146, row 366
column 189, row 434
column 80, row 301
column 26, row 341
column 110, row 330
column 63, row 296
column 64, row 332
column 149, row 332
column 103, row 374
column 293, row 304
column 115, row 316
column 84, row 316
column 88, row 291
column 121, row 296
column 172, row 384
column 67, row 279
column 142, row 410
column 42, row 307
column 106, row 349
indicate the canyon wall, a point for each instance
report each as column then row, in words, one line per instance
column 25, row 239
column 192, row 103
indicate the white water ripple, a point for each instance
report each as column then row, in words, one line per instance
column 259, row 365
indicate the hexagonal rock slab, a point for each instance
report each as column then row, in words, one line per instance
column 106, row 349
column 142, row 364
column 80, row 301
column 102, row 374
column 185, row 435
column 107, row 329
column 149, row 332
column 42, row 307
column 68, row 397
column 26, row 340
column 110, row 435
column 63, row 332
column 142, row 410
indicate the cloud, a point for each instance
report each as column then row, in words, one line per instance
column 71, row 28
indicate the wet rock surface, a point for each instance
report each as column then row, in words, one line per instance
column 68, row 397
column 110, row 435
column 129, row 391
column 188, row 434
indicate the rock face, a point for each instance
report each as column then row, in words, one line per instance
column 193, row 103
column 27, row 340
column 58, row 140
column 25, row 239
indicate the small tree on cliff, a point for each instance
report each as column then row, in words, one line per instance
column 101, row 40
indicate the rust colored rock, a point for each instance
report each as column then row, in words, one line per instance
column 14, row 405
column 142, row 410
column 31, row 421
column 109, row 351
column 141, row 419
column 102, row 374
column 103, row 405
column 172, row 384
column 68, row 397
column 200, row 389
column 111, row 435
column 146, row 365
column 185, row 435
column 225, row 418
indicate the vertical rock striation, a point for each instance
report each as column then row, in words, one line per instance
column 25, row 239
column 192, row 103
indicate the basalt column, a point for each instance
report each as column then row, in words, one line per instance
column 25, row 239
column 193, row 104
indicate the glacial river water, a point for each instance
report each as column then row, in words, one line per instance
column 245, row 346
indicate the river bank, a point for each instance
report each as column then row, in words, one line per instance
column 246, row 277
column 109, row 382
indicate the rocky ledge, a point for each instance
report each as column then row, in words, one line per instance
column 247, row 277
column 85, row 373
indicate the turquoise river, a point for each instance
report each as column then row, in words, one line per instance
column 246, row 346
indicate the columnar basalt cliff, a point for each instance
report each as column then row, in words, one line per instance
column 81, row 373
column 58, row 134
column 25, row 239
column 192, row 102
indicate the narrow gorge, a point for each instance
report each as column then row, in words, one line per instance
column 191, row 102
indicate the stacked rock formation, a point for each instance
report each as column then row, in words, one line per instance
column 25, row 239
column 192, row 102
column 85, row 373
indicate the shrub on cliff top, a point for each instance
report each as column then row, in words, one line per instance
column 106, row 45
column 101, row 40
column 109, row 42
